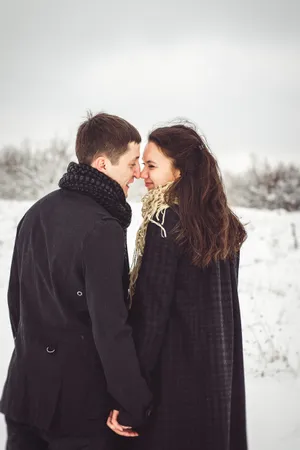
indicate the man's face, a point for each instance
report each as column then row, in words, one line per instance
column 126, row 170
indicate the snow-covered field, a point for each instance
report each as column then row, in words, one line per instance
column 269, row 287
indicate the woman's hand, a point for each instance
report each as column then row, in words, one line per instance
column 113, row 424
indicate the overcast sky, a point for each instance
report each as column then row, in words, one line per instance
column 232, row 67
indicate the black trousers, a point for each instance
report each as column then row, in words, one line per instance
column 24, row 437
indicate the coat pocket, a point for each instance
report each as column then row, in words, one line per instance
column 42, row 371
column 33, row 382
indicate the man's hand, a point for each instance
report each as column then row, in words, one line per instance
column 113, row 424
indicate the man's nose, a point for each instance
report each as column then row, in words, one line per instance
column 137, row 171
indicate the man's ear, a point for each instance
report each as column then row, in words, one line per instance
column 100, row 163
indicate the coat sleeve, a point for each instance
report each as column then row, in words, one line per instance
column 155, row 290
column 13, row 293
column 103, row 267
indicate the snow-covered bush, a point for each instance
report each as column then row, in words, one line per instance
column 266, row 187
column 26, row 173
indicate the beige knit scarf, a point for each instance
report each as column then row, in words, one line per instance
column 153, row 205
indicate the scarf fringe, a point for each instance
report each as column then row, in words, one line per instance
column 153, row 206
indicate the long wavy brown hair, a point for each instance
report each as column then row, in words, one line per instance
column 208, row 230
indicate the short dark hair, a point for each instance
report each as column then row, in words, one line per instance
column 104, row 134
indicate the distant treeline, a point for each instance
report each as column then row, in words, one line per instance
column 27, row 174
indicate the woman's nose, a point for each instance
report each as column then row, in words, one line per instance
column 144, row 173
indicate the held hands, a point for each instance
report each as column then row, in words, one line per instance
column 113, row 424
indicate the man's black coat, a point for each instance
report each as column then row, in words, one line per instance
column 74, row 356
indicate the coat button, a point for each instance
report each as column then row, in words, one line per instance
column 50, row 349
column 79, row 293
column 148, row 412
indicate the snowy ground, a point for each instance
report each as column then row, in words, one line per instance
column 269, row 288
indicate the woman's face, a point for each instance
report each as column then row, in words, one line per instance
column 158, row 169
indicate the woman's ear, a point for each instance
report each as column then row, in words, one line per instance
column 177, row 174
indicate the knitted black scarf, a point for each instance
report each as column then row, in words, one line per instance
column 105, row 191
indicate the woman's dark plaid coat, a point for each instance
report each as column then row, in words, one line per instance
column 187, row 330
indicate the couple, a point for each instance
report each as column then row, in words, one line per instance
column 94, row 368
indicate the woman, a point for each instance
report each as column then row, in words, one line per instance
column 185, row 310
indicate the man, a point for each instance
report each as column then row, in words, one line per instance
column 74, row 358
